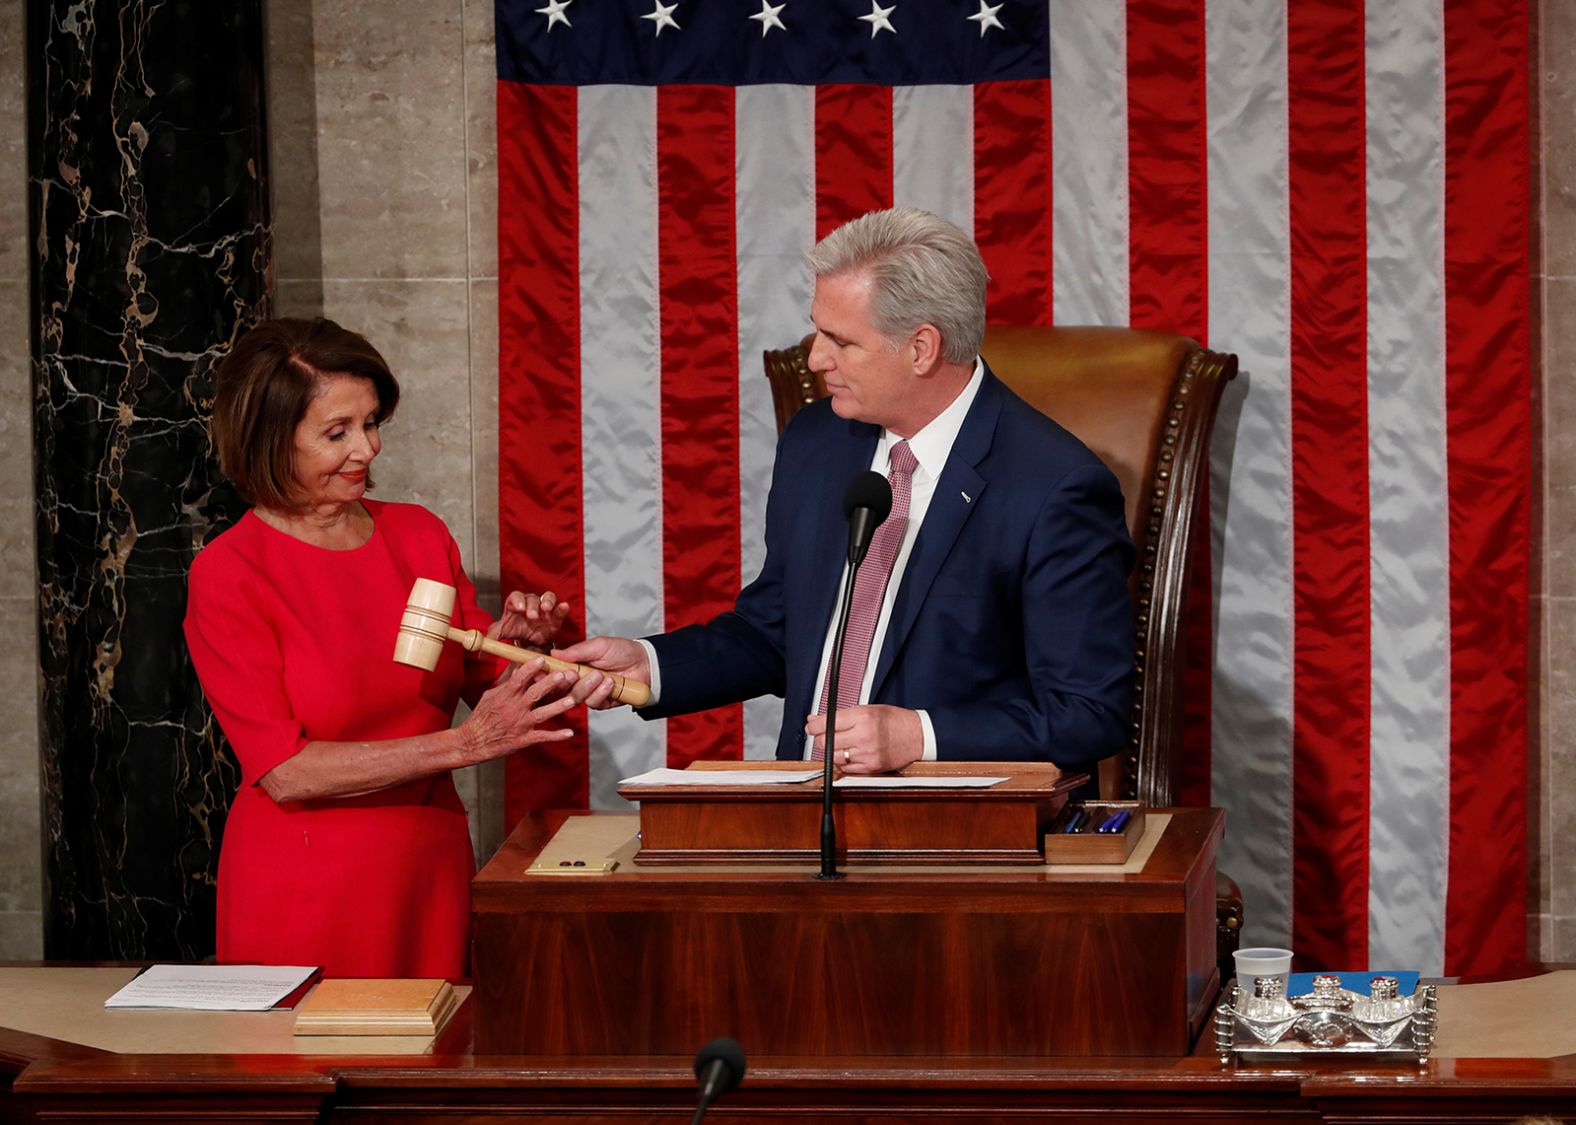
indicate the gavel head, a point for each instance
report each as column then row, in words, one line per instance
column 425, row 626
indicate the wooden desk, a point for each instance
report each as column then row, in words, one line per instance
column 49, row 1079
column 939, row 961
column 46, row 1080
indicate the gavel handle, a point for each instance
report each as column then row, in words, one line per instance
column 632, row 692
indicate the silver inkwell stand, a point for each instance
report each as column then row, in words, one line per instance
column 1268, row 1026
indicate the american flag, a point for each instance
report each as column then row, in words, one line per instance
column 1336, row 193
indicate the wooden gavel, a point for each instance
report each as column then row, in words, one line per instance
column 425, row 627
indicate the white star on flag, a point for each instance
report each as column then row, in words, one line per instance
column 986, row 17
column 880, row 19
column 555, row 13
column 769, row 17
column 662, row 15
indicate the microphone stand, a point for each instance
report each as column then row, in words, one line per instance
column 828, row 825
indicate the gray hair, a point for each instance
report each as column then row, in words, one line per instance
column 925, row 271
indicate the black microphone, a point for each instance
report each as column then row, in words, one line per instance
column 867, row 503
column 719, row 1068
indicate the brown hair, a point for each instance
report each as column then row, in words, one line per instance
column 262, row 390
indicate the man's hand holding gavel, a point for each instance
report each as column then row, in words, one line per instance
column 607, row 657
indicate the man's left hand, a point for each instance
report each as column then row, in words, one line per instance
column 530, row 619
column 875, row 738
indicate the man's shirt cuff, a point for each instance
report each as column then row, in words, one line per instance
column 930, row 737
column 656, row 671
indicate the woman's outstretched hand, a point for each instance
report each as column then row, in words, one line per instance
column 516, row 712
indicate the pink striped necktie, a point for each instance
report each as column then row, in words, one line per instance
column 870, row 586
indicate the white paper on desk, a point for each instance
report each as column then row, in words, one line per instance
column 930, row 781
column 212, row 988
column 721, row 777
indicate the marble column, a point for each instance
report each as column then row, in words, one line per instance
column 150, row 253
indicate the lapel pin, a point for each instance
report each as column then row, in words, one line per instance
column 967, row 499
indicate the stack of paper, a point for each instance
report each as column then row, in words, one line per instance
column 376, row 1007
column 667, row 776
column 221, row 988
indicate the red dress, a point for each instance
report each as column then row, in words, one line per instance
column 294, row 643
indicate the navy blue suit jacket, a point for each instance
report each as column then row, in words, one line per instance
column 1011, row 627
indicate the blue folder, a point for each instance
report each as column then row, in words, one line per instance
column 1300, row 984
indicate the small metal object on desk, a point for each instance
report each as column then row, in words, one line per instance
column 1330, row 1020
column 1327, row 995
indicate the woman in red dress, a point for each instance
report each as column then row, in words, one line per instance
column 347, row 845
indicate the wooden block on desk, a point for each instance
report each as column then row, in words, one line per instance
column 1090, row 846
column 376, row 1007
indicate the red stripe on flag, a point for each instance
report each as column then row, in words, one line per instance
column 700, row 384
column 1329, row 422
column 853, row 153
column 1167, row 167
column 1012, row 197
column 541, row 528
column 1168, row 279
column 1488, row 458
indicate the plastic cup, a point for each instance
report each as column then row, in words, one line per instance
column 1262, row 962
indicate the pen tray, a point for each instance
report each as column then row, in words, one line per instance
column 1090, row 846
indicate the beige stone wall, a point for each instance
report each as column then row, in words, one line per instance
column 21, row 848
column 1554, row 607
column 382, row 143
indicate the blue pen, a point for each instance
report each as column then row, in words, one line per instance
column 1116, row 823
column 1075, row 822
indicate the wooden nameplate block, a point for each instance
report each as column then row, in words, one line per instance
column 1004, row 824
column 376, row 1007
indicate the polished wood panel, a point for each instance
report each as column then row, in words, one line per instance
column 51, row 1081
column 884, row 962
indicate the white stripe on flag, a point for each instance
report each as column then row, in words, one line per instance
column 1249, row 309
column 933, row 151
column 620, row 421
column 1409, row 759
column 1089, row 202
column 775, row 205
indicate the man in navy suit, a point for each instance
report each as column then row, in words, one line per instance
column 1004, row 629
